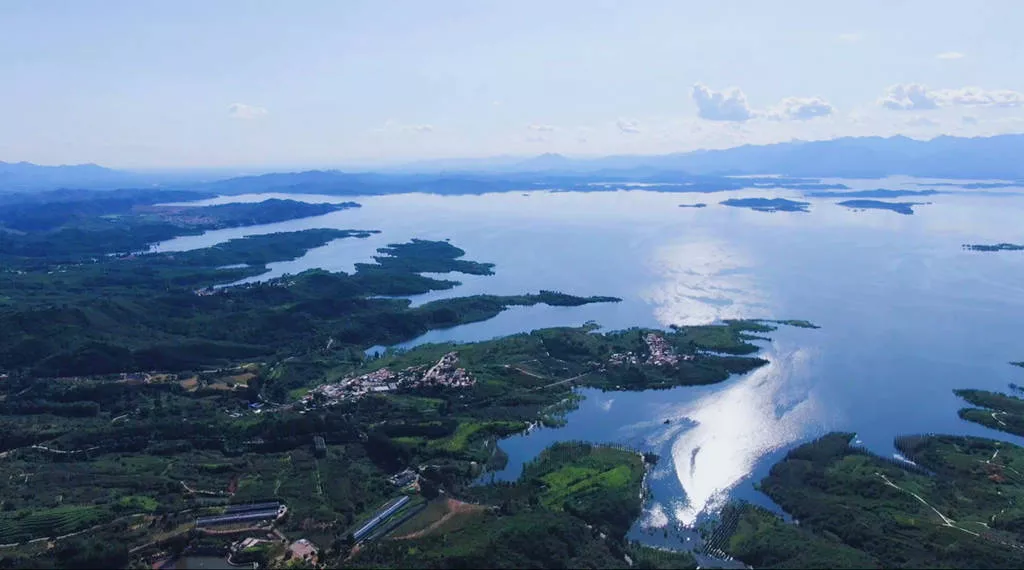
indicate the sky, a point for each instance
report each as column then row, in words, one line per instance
column 196, row 84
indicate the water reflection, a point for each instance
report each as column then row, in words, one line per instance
column 702, row 282
column 729, row 430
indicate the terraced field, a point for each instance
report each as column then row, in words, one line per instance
column 27, row 525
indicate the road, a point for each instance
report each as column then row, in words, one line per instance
column 566, row 381
column 945, row 520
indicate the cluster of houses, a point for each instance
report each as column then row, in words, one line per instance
column 445, row 373
column 659, row 353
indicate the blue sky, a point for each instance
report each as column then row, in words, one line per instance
column 144, row 84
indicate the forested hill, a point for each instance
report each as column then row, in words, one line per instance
column 57, row 228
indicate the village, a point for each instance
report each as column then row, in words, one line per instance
column 445, row 373
column 659, row 353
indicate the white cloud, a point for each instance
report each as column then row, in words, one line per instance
column 969, row 120
column 907, row 96
column 950, row 55
column 728, row 105
column 978, row 97
column 801, row 109
column 731, row 105
column 850, row 37
column 537, row 139
column 542, row 128
column 243, row 111
column 628, row 127
column 914, row 96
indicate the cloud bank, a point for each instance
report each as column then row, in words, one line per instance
column 917, row 97
column 731, row 105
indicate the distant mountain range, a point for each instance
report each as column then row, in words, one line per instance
column 997, row 157
column 28, row 176
column 848, row 157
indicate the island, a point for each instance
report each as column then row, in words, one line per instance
column 994, row 247
column 877, row 193
column 697, row 205
column 905, row 208
column 768, row 204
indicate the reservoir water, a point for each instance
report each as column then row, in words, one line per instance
column 906, row 314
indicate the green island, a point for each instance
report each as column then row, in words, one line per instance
column 768, row 204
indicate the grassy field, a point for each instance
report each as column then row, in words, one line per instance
column 468, row 433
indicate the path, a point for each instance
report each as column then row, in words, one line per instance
column 200, row 491
column 945, row 520
column 455, row 508
column 567, row 380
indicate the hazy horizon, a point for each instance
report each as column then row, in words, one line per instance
column 262, row 85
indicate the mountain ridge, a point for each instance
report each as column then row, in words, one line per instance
column 995, row 157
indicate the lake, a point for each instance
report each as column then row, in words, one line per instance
column 906, row 315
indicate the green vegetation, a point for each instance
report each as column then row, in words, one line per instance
column 52, row 228
column 763, row 540
column 31, row 523
column 570, row 509
column 143, row 313
column 958, row 506
column 1001, row 412
column 799, row 323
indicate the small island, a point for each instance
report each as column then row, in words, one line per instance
column 905, row 208
column 876, row 193
column 768, row 204
column 698, row 205
column 994, row 247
